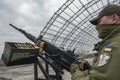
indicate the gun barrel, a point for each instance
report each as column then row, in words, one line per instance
column 29, row 36
column 14, row 27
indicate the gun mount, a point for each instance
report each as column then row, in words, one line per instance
column 57, row 58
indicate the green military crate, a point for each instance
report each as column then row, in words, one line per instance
column 18, row 53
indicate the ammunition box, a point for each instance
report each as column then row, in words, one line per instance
column 18, row 53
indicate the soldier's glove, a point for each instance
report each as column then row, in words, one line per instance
column 83, row 66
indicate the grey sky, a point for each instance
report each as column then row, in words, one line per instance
column 30, row 15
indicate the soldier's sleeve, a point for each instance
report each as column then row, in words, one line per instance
column 109, row 66
column 91, row 75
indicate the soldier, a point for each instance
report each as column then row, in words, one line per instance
column 106, row 65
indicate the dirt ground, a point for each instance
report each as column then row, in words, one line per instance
column 25, row 72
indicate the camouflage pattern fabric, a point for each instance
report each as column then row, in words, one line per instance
column 107, row 63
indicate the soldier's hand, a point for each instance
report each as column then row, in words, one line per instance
column 83, row 66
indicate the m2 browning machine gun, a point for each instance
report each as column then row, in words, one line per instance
column 58, row 58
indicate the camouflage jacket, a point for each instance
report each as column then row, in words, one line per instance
column 107, row 63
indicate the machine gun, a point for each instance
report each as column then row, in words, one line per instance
column 58, row 58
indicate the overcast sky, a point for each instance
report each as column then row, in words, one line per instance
column 30, row 15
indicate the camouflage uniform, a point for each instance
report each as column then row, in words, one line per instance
column 106, row 64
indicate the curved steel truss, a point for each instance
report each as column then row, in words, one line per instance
column 70, row 28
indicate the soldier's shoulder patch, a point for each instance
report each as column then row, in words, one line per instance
column 108, row 48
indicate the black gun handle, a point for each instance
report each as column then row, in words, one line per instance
column 86, row 66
